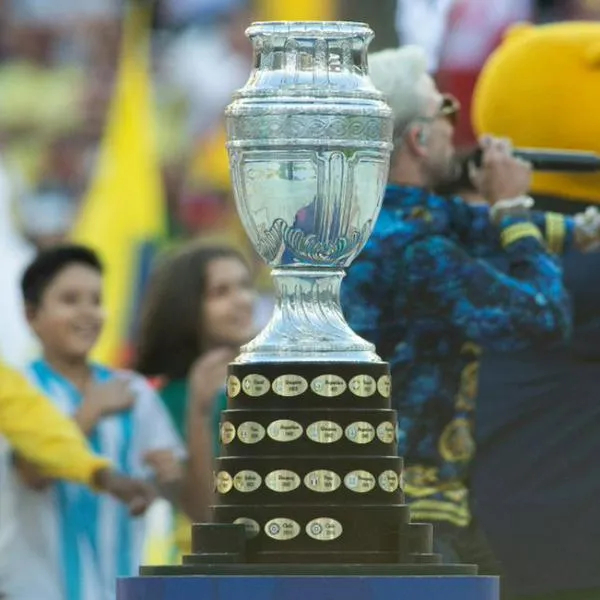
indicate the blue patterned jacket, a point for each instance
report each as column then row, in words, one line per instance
column 419, row 292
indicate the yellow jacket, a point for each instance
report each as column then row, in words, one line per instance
column 42, row 434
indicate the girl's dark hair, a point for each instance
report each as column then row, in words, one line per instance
column 170, row 335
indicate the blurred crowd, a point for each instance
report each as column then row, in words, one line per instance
column 58, row 62
column 57, row 71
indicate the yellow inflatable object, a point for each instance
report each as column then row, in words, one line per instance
column 541, row 88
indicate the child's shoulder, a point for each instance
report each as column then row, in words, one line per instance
column 104, row 373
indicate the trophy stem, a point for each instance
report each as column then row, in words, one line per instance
column 307, row 322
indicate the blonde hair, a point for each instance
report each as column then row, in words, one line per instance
column 396, row 74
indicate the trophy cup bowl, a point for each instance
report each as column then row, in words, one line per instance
column 309, row 148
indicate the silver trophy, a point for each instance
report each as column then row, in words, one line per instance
column 308, row 480
column 309, row 148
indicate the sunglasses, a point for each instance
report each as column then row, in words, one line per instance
column 450, row 108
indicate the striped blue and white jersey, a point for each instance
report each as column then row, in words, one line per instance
column 67, row 543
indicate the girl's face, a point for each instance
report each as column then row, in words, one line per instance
column 228, row 310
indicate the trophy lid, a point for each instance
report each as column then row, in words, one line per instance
column 329, row 29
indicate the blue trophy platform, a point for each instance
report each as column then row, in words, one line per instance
column 308, row 587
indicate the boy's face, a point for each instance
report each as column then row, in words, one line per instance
column 69, row 318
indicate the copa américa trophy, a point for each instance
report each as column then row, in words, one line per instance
column 309, row 482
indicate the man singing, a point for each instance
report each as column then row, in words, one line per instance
column 421, row 295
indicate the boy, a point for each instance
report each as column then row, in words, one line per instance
column 74, row 542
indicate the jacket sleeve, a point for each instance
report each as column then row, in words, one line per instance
column 498, row 311
column 36, row 429
column 476, row 229
column 558, row 230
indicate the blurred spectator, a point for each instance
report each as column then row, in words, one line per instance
column 39, row 99
column 17, row 344
column 424, row 23
column 62, row 295
column 196, row 314
column 206, row 65
column 201, row 92
column 584, row 9
column 61, row 12
column 458, row 36
column 47, row 215
column 186, row 12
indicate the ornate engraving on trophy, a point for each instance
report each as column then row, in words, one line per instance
column 224, row 482
column 282, row 529
column 324, row 432
column 250, row 432
column 308, row 247
column 386, row 432
column 289, row 386
column 324, row 529
column 359, row 481
column 284, row 430
column 233, row 386
column 227, row 432
column 322, row 481
column 282, row 480
column 363, row 386
column 384, row 385
column 328, row 386
column 255, row 385
column 388, row 481
column 247, row 481
column 289, row 127
column 251, row 526
column 360, row 432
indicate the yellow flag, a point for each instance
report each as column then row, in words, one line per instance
column 124, row 209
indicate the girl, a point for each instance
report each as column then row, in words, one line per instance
column 198, row 311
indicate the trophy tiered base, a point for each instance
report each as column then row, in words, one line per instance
column 309, row 499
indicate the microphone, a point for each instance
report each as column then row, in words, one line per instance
column 542, row 159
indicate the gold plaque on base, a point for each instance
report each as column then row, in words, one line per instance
column 282, row 529
column 363, row 386
column 224, row 482
column 250, row 432
column 360, row 432
column 227, row 432
column 324, row 432
column 284, row 430
column 359, row 481
column 255, row 385
column 328, row 386
column 389, row 481
column 233, row 386
column 386, row 432
column 324, row 529
column 384, row 385
column 282, row 480
column 247, row 481
column 322, row 481
column 289, row 386
column 251, row 526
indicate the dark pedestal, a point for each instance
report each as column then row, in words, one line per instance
column 309, row 499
